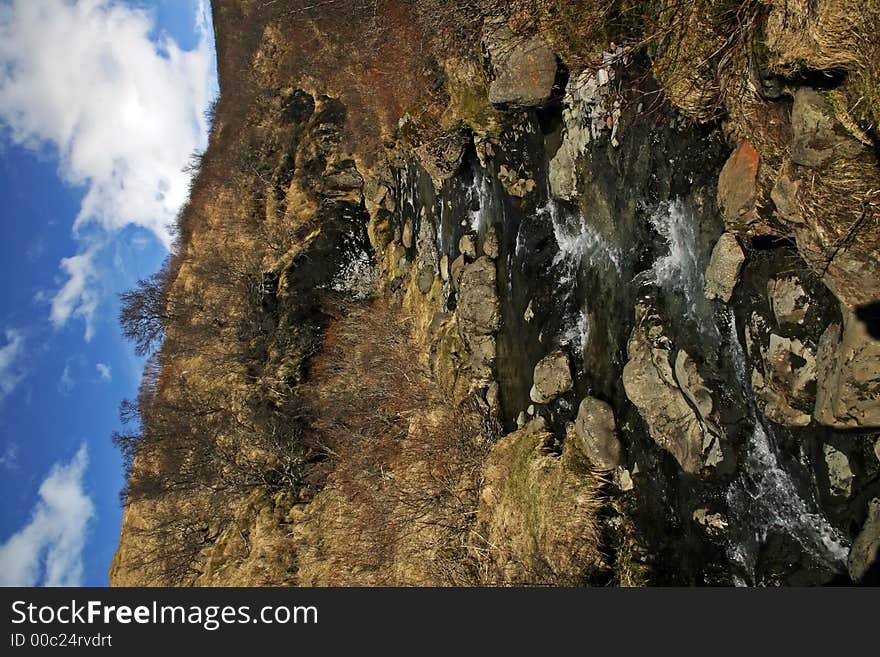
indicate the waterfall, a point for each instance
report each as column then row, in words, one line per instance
column 580, row 245
column 678, row 271
column 765, row 498
column 481, row 200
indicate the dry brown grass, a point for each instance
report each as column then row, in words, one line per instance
column 404, row 462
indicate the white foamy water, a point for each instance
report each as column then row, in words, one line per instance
column 678, row 271
column 579, row 243
column 357, row 276
column 765, row 498
column 576, row 332
column 580, row 246
column 480, row 193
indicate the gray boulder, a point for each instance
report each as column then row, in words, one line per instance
column 596, row 430
column 552, row 377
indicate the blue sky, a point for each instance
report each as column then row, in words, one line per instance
column 101, row 104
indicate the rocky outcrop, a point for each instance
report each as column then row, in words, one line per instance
column 848, row 376
column 596, row 430
column 826, row 196
column 865, row 552
column 817, row 137
column 588, row 114
column 552, row 377
column 788, row 299
column 478, row 307
column 525, row 69
column 651, row 385
column 784, row 388
column 722, row 273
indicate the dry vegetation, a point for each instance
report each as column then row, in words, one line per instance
column 403, row 462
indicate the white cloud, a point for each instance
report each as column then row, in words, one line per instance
column 66, row 382
column 104, row 371
column 124, row 113
column 10, row 368
column 78, row 296
column 9, row 458
column 48, row 549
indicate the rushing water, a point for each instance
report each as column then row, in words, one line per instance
column 679, row 270
column 765, row 498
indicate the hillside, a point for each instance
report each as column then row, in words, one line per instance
column 532, row 292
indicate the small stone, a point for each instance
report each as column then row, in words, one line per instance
column 492, row 395
column 529, row 314
column 521, row 420
column 407, row 236
column 840, row 475
column 467, row 247
column 491, row 246
column 479, row 310
column 552, row 377
column 784, row 195
column 531, row 409
column 722, row 273
column 711, row 522
column 426, row 280
column 623, row 479
column 444, row 268
column 455, row 271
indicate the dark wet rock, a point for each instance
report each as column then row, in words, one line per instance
column 597, row 432
column 552, row 377
column 456, row 269
column 712, row 523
